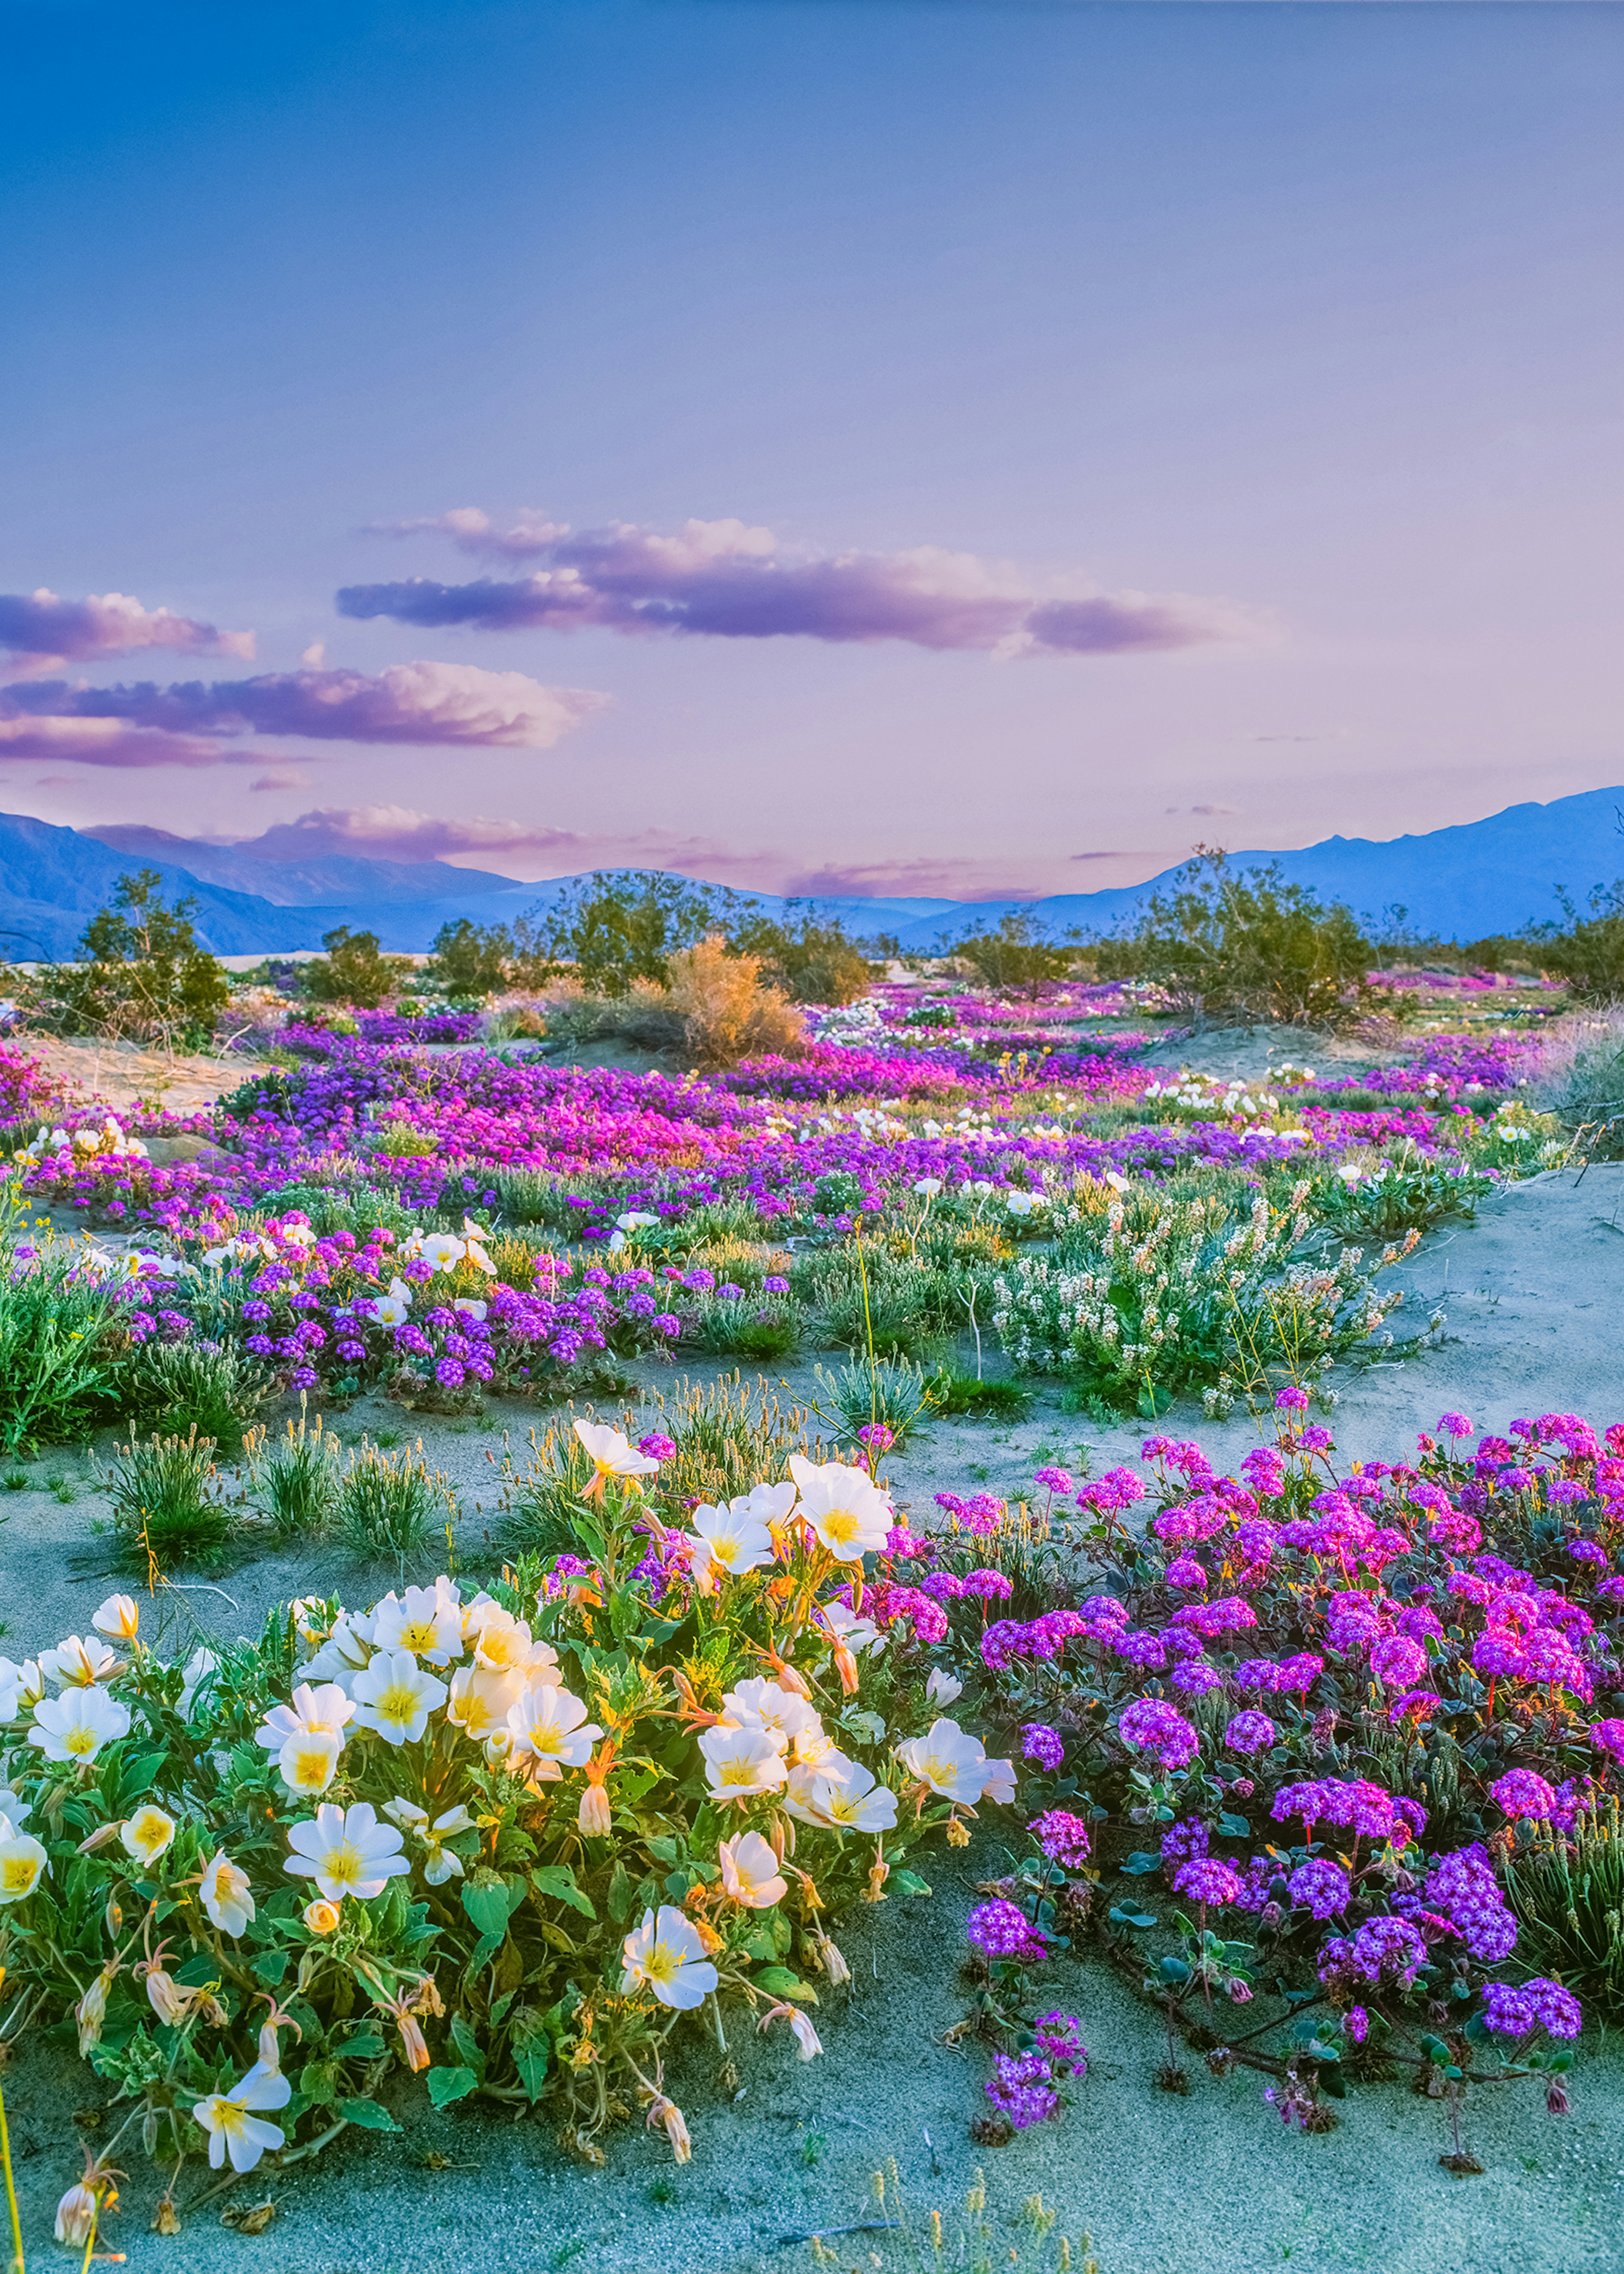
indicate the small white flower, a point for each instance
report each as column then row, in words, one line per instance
column 750, row 1874
column 346, row 1650
column 441, row 1250
column 612, row 1454
column 760, row 1704
column 740, row 1763
column 480, row 1700
column 470, row 1306
column 396, row 1696
column 118, row 1618
column 232, row 2130
column 550, row 1726
column 443, row 1862
column 998, row 1781
column 346, row 1851
column 76, row 1661
column 76, row 1726
column 734, row 1542
column 426, row 1620
column 196, row 1671
column 942, row 1687
column 225, row 1893
column 667, row 1956
column 389, row 1310
column 22, row 1859
column 325, row 1711
column 840, row 1795
column 309, row 1760
column 844, row 1507
column 148, row 1834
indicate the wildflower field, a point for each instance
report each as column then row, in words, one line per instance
column 584, row 1809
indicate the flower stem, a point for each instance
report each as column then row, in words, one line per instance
column 11, row 2193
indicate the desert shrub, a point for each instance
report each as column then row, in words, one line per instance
column 889, row 1395
column 357, row 1208
column 212, row 1388
column 471, row 960
column 169, row 1501
column 890, row 1306
column 808, row 960
column 353, row 970
column 272, row 1092
column 1149, row 1295
column 1251, row 947
column 61, row 1347
column 727, row 1011
column 1588, row 950
column 1567, row 1888
column 1017, row 958
column 390, row 1503
column 143, row 972
column 1582, row 1079
column 619, row 926
column 293, row 1480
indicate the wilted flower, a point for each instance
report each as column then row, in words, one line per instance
column 800, row 2028
column 668, row 1956
column 666, row 2111
column 76, row 2214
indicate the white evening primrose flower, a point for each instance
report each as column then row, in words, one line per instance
column 390, row 1310
column 612, row 1454
column 76, row 1661
column 426, row 1620
column 470, row 1306
column 730, row 1542
column 480, row 1700
column 117, row 1618
column 667, row 1956
column 741, row 1762
column 147, row 1835
column 750, row 1874
column 475, row 1236
column 309, row 1760
column 233, row 2129
column 75, row 1727
column 346, row 1650
column 225, row 1893
column 847, row 1627
column 840, row 1795
column 501, row 1644
column 442, row 1862
column 346, row 1851
column 442, row 1251
column 1118, row 1184
column 396, row 1696
column 22, row 1859
column 848, row 1513
column 12, row 1683
column 948, row 1759
column 929, row 1185
column 942, row 1689
column 760, row 1704
column 633, row 1220
column 998, row 1781
column 550, row 1726
column 324, row 1711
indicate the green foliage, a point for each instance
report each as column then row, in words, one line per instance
column 1245, row 947
column 212, row 1388
column 61, row 1343
column 143, row 971
column 168, row 1502
column 812, row 961
column 762, row 1327
column 618, row 926
column 294, row 1480
column 390, row 1503
column 729, row 1438
column 890, row 1391
column 1015, row 959
column 1569, row 1905
column 470, row 958
column 353, row 970
column 951, row 1391
column 359, row 1209
column 1588, row 951
column 1379, row 1198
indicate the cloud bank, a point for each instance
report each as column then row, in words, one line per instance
column 39, row 632
column 448, row 705
column 726, row 580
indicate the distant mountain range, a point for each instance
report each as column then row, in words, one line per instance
column 270, row 894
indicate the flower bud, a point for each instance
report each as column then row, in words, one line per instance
column 846, row 1666
column 321, row 1917
column 90, row 2010
column 593, row 1817
column 76, row 2214
column 270, row 2052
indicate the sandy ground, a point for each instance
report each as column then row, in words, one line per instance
column 1534, row 1293
column 125, row 1073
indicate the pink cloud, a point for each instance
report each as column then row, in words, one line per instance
column 283, row 778
column 398, row 832
column 42, row 632
column 448, row 704
column 727, row 580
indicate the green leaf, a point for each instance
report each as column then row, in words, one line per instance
column 664, row 1849
column 466, row 2045
column 271, row 1966
column 1333, row 2083
column 909, row 1883
column 1233, row 1827
column 366, row 2045
column 532, row 2050
column 1139, row 1863
column 1131, row 1915
column 488, row 1905
column 368, row 2115
column 618, row 1901
column 778, row 1982
column 1173, row 1969
column 559, row 1881
column 139, row 1775
column 448, row 2084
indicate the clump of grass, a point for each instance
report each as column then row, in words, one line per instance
column 763, row 1328
column 1569, row 1906
column 59, row 1351
column 169, row 1501
column 213, row 1389
column 729, row 1438
column 888, row 1391
column 390, row 1503
column 951, row 1390
column 295, row 1480
column 540, row 1501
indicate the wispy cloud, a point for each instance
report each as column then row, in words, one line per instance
column 727, row 580
column 399, row 832
column 450, row 705
column 41, row 632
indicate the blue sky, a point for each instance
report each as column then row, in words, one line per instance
column 1282, row 342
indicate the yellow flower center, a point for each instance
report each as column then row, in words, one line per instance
column 397, row 1703
column 737, row 1773
column 313, row 1766
column 80, row 1740
column 418, row 1634
column 345, row 1864
column 18, row 1874
column 725, row 1546
column 662, row 1964
column 841, row 1526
